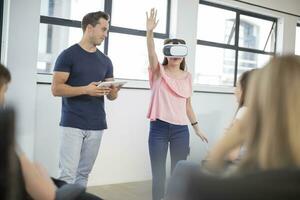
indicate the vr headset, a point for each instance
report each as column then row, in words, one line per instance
column 175, row 50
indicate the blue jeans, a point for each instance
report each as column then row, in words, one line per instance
column 78, row 152
column 161, row 134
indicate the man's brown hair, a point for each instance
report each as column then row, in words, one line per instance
column 93, row 19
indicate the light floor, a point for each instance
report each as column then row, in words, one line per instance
column 124, row 191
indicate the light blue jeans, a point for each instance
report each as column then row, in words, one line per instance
column 78, row 152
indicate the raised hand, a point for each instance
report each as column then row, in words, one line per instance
column 151, row 20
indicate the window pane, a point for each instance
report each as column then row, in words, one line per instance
column 131, row 13
column 215, row 24
column 214, row 66
column 254, row 33
column 297, row 46
column 70, row 9
column 248, row 61
column 53, row 40
column 131, row 63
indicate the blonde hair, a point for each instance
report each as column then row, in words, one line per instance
column 272, row 122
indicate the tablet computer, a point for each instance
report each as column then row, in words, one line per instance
column 111, row 83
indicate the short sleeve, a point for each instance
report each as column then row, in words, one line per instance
column 63, row 63
column 110, row 69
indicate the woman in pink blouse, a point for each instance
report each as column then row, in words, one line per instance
column 170, row 110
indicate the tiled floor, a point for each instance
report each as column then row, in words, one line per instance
column 124, row 191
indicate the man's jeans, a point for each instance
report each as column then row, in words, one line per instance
column 78, row 152
column 161, row 134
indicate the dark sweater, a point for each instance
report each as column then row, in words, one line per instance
column 281, row 184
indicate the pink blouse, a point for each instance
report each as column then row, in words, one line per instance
column 169, row 97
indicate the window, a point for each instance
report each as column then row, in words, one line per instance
column 128, row 29
column 297, row 46
column 1, row 23
column 60, row 27
column 229, row 42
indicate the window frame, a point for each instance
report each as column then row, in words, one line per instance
column 114, row 29
column 297, row 26
column 235, row 46
column 1, row 24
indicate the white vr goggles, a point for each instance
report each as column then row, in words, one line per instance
column 175, row 50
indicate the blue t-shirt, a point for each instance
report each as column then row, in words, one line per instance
column 83, row 112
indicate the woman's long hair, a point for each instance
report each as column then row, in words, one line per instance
column 175, row 41
column 8, row 173
column 271, row 124
column 244, row 82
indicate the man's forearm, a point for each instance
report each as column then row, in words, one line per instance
column 67, row 91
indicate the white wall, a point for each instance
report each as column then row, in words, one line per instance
column 123, row 155
column 21, row 56
column 290, row 6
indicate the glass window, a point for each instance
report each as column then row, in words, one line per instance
column 53, row 39
column 248, row 61
column 214, row 66
column 133, row 16
column 70, row 9
column 62, row 33
column 219, row 57
column 256, row 33
column 1, row 23
column 216, row 25
column 131, row 64
column 297, row 46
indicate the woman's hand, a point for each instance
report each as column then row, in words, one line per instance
column 151, row 20
column 201, row 134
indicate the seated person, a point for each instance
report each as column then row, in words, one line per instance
column 270, row 168
column 240, row 94
column 23, row 179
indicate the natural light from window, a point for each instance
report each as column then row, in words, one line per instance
column 132, row 14
column 297, row 46
column 126, row 43
column 217, row 46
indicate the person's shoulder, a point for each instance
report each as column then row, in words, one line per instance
column 103, row 56
column 241, row 112
column 187, row 75
column 243, row 109
column 73, row 48
column 70, row 50
column 100, row 53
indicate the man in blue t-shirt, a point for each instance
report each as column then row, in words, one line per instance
column 77, row 71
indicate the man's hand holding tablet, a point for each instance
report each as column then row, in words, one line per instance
column 111, row 84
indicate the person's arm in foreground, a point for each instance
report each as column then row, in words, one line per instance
column 37, row 182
